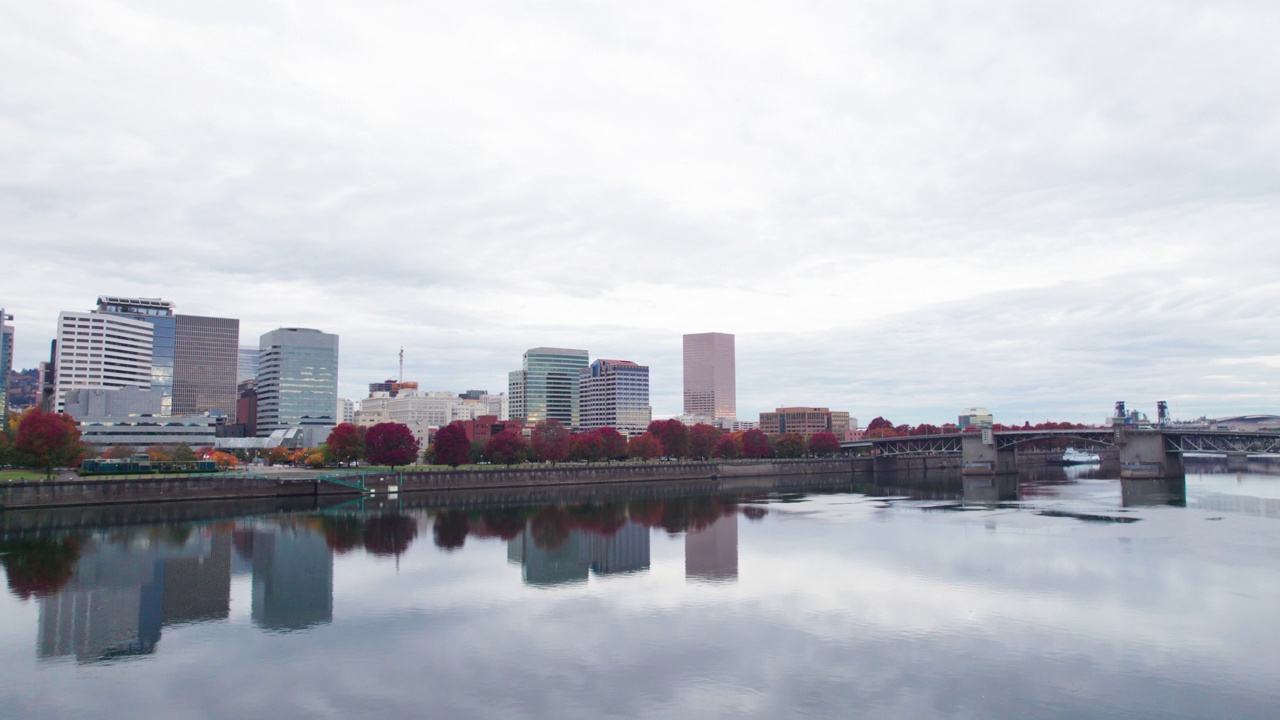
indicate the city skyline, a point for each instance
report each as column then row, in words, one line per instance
column 1036, row 209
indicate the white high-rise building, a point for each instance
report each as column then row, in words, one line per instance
column 101, row 350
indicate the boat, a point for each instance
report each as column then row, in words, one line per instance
column 1072, row 456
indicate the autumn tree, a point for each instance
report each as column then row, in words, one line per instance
column 452, row 446
column 644, row 447
column 551, row 441
column 118, row 452
column 47, row 440
column 279, row 454
column 587, row 446
column 391, row 443
column 880, row 428
column 507, row 447
column 702, row 440
column 789, row 445
column 674, row 436
column 615, row 443
column 345, row 443
column 160, row 453
column 755, row 444
column 824, row 443
column 224, row 460
column 728, row 447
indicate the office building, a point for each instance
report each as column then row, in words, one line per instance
column 159, row 315
column 101, row 350
column 205, row 365
column 546, row 388
column 710, row 387
column 803, row 420
column 297, row 382
column 976, row 417
column 346, row 411
column 246, row 364
column 6, row 362
column 615, row 393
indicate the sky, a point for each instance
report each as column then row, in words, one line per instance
column 899, row 208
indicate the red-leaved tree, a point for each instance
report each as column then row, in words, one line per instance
column 452, row 446
column 789, row 445
column 346, row 443
column 644, row 447
column 755, row 444
column 702, row 440
column 507, row 447
column 728, row 447
column 48, row 440
column 391, row 443
column 587, row 446
column 674, row 436
column 824, row 443
column 550, row 441
column 615, row 443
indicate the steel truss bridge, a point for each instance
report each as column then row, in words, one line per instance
column 1217, row 442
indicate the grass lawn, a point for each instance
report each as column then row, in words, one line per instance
column 16, row 475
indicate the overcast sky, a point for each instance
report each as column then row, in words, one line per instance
column 900, row 208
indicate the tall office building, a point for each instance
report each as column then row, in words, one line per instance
column 159, row 314
column 204, row 365
column 6, row 362
column 615, row 393
column 100, row 350
column 710, row 388
column 547, row 387
column 246, row 364
column 297, row 382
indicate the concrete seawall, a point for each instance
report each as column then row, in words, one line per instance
column 734, row 475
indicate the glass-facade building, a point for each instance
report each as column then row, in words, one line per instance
column 159, row 313
column 615, row 393
column 547, row 386
column 297, row 380
column 246, row 364
column 6, row 362
column 204, row 368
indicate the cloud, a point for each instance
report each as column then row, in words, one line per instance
column 899, row 209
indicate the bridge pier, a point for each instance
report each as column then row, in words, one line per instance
column 1143, row 455
column 981, row 456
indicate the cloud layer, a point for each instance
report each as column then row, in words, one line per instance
column 899, row 208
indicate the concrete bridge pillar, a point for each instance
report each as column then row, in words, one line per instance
column 980, row 456
column 1143, row 455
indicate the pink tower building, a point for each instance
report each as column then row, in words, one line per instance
column 710, row 387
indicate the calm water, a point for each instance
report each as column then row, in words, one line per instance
column 1060, row 595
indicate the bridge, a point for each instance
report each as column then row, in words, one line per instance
column 1154, row 452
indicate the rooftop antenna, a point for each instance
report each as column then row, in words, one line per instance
column 401, row 364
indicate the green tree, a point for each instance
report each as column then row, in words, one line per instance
column 789, row 445
column 48, row 440
column 182, row 452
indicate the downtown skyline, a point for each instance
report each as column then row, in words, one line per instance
column 897, row 210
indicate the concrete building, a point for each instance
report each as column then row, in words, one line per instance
column 546, row 388
column 121, row 402
column 298, row 382
column 101, row 350
column 614, row 393
column 160, row 316
column 425, row 411
column 346, row 410
column 205, row 364
column 976, row 417
column 6, row 361
column 803, row 420
column 710, row 385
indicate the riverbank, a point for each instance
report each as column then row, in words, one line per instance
column 299, row 484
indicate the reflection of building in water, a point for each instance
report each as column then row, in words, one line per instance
column 292, row 579
column 712, row 553
column 580, row 554
column 990, row 490
column 121, row 594
column 625, row 551
column 1153, row 491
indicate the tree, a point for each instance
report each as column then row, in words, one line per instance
column 279, row 454
column 346, row 443
column 507, row 447
column 789, row 445
column 755, row 444
column 615, row 443
column 391, row 443
column 644, row 447
column 674, row 436
column 550, row 441
column 728, row 447
column 118, row 452
column 47, row 440
column 224, row 460
column 880, row 428
column 824, row 443
column 452, row 446
column 182, row 452
column 587, row 446
column 160, row 453
column 702, row 440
